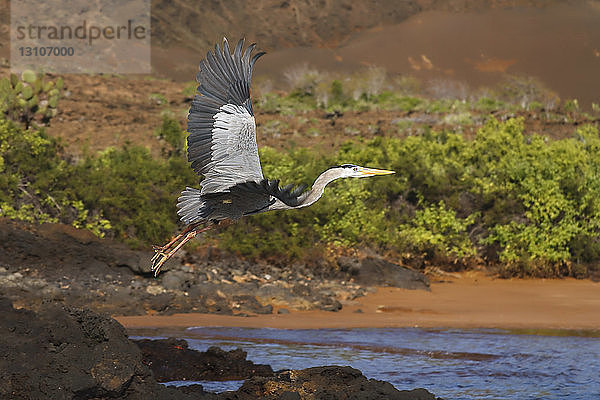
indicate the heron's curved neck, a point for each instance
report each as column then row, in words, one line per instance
column 319, row 186
column 314, row 194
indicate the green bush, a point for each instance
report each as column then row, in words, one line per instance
column 555, row 187
column 488, row 104
column 172, row 133
column 439, row 234
column 527, row 203
column 135, row 191
column 125, row 192
column 34, row 181
column 521, row 201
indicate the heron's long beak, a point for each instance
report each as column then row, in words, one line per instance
column 372, row 171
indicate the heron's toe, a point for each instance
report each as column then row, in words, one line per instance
column 157, row 261
column 157, row 254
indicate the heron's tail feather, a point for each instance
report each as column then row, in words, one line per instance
column 191, row 206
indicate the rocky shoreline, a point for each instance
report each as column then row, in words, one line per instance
column 58, row 286
column 63, row 352
column 60, row 263
column 172, row 360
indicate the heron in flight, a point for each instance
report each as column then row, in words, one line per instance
column 222, row 148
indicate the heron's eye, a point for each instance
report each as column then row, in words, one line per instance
column 355, row 169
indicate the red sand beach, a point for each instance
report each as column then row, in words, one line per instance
column 469, row 300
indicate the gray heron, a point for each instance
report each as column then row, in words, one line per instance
column 222, row 148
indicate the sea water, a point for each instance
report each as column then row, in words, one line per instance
column 452, row 364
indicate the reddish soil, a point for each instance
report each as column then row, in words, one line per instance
column 559, row 45
column 450, row 46
column 470, row 300
column 119, row 110
column 103, row 111
column 472, row 42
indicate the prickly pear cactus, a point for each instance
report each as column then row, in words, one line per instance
column 30, row 97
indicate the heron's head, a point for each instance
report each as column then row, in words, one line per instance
column 356, row 171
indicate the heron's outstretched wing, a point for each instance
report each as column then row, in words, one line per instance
column 222, row 131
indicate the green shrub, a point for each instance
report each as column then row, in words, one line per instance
column 488, row 104
column 125, row 192
column 273, row 103
column 524, row 202
column 349, row 216
column 135, row 191
column 174, row 135
column 557, row 185
column 438, row 233
column 34, row 181
column 571, row 105
column 190, row 89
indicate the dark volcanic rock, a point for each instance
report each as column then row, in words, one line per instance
column 20, row 244
column 65, row 353
column 249, row 303
column 71, row 353
column 331, row 382
column 379, row 272
column 332, row 306
column 171, row 359
column 58, row 262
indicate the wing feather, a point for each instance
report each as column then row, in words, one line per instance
column 222, row 131
column 246, row 61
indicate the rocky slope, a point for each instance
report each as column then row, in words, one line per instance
column 53, row 262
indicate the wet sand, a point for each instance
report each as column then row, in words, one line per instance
column 467, row 301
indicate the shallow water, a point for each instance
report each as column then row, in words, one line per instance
column 452, row 364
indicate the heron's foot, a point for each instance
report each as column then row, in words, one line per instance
column 160, row 257
column 163, row 253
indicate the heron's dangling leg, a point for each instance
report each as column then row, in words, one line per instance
column 159, row 251
column 161, row 257
column 175, row 239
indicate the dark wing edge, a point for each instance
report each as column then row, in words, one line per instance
column 291, row 195
column 224, row 79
